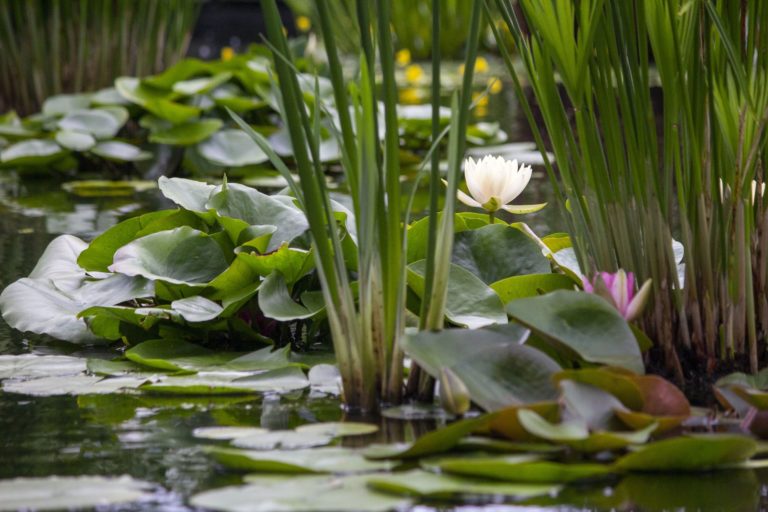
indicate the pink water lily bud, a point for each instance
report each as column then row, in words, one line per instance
column 619, row 290
column 494, row 182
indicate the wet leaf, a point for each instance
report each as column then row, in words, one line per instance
column 227, row 433
column 32, row 152
column 521, row 468
column 186, row 134
column 334, row 460
column 232, row 148
column 120, row 151
column 31, row 366
column 338, row 429
column 692, row 452
column 75, row 141
column 283, row 440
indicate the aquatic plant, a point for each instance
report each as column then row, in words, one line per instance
column 635, row 166
column 619, row 290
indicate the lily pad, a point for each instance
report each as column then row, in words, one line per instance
column 334, row 460
column 426, row 485
column 30, row 366
column 176, row 355
column 521, row 468
column 187, row 133
column 531, row 285
column 73, row 385
column 227, row 433
column 281, row 380
column 105, row 188
column 101, row 123
column 32, row 152
column 180, row 256
column 70, row 492
column 283, row 440
column 299, row 494
column 582, row 323
column 120, row 152
column 232, row 148
column 338, row 429
column 75, row 141
column 61, row 104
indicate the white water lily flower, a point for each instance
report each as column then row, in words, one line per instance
column 494, row 182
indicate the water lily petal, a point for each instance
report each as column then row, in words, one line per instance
column 467, row 200
column 636, row 306
column 524, row 208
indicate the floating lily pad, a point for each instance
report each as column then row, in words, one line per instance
column 325, row 378
column 232, row 148
column 299, row 494
column 32, row 152
column 692, row 452
column 70, row 492
column 61, row 104
column 76, row 141
column 120, row 152
column 227, row 433
column 200, row 85
column 187, row 133
column 283, row 440
column 282, row 380
column 155, row 100
column 426, row 485
column 338, row 429
column 101, row 123
column 335, row 460
column 521, row 468
column 30, row 366
column 72, row 385
column 177, row 355
column 104, row 188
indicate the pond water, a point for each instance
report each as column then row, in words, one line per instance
column 150, row 438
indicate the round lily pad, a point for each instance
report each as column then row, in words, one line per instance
column 338, row 429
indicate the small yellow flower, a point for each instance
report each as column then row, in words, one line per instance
column 480, row 100
column 481, row 65
column 413, row 73
column 494, row 85
column 303, row 23
column 403, row 57
column 461, row 69
column 410, row 96
column 227, row 53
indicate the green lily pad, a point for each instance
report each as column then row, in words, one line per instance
column 521, row 468
column 197, row 309
column 120, row 152
column 283, row 440
column 75, row 141
column 30, row 366
column 101, row 123
column 61, row 104
column 227, row 433
column 71, row 492
column 180, row 256
column 299, row 494
column 281, row 380
column 232, row 148
column 32, row 152
column 531, row 285
column 334, row 460
column 275, row 301
column 498, row 251
column 497, row 370
column 200, row 85
column 187, row 133
column 189, row 194
column 155, row 100
column 582, row 323
column 338, row 429
column 691, row 452
column 73, row 385
column 104, row 188
column 176, row 355
column 431, row 486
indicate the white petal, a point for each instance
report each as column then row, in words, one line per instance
column 524, row 208
column 464, row 198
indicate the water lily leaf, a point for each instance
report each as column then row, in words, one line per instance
column 197, row 309
column 531, row 285
column 187, row 133
column 154, row 100
column 115, row 367
column 184, row 69
column 61, row 104
column 470, row 302
column 180, row 256
column 232, row 148
column 283, row 439
column 328, row 149
column 558, row 432
column 325, row 378
column 426, row 485
column 227, row 433
column 108, row 97
column 101, row 123
column 30, row 366
column 418, row 234
column 437, row 441
column 292, row 263
column 498, row 251
column 49, row 301
column 120, row 152
column 263, row 359
column 521, row 468
column 497, row 370
column 618, row 383
column 75, row 141
column 281, row 380
column 335, row 460
column 338, row 429
column 299, row 494
column 477, row 443
column 691, row 452
column 72, row 385
column 591, row 405
column 107, row 188
column 276, row 302
column 189, row 194
column 417, row 412
column 583, row 323
column 177, row 355
column 71, row 492
column 505, row 422
column 200, row 85
column 32, row 152
column 257, row 209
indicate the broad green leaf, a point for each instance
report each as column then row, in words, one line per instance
column 31, row 366
column 293, row 264
column 197, row 309
column 107, row 188
column 497, row 370
column 154, row 100
column 281, row 380
column 618, row 383
column 338, row 429
column 531, row 285
column 583, row 323
column 470, row 302
column 428, row 485
column 189, row 194
column 227, row 433
column 120, row 151
column 275, row 300
column 283, row 440
column 32, row 152
column 101, row 123
column 418, row 233
column 521, row 468
column 61, row 104
column 299, row 494
column 558, row 432
column 498, row 251
column 75, row 141
column 100, row 252
column 177, row 355
column 590, row 404
column 71, row 492
column 232, row 148
column 334, row 460
column 691, row 452
column 73, row 385
column 181, row 70
column 187, row 133
column 200, row 85
column 437, row 441
column 183, row 256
